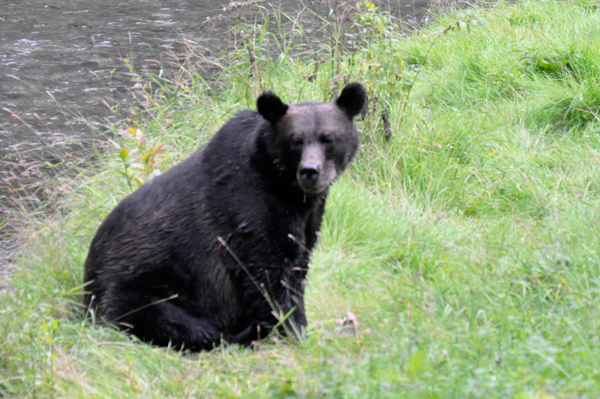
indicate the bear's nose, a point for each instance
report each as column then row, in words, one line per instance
column 309, row 172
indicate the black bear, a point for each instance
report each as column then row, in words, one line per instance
column 217, row 248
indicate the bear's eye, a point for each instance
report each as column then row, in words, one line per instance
column 297, row 143
column 325, row 139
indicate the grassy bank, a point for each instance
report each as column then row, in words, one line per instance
column 467, row 245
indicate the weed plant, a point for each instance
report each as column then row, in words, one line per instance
column 459, row 255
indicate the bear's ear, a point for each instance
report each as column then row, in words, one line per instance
column 271, row 107
column 352, row 100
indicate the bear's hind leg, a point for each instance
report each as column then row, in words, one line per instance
column 162, row 322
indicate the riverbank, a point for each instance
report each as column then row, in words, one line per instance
column 460, row 254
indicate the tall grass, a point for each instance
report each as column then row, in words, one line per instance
column 466, row 244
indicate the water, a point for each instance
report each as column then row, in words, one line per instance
column 63, row 57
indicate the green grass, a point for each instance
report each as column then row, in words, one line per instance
column 467, row 245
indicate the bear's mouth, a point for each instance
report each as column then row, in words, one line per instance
column 316, row 186
column 312, row 188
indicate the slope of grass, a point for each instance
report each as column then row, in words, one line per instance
column 466, row 245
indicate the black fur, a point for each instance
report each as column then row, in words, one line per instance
column 203, row 252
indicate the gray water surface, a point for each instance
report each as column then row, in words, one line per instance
column 64, row 57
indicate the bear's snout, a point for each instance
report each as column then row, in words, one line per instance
column 309, row 172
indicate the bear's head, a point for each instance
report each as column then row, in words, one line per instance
column 316, row 141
